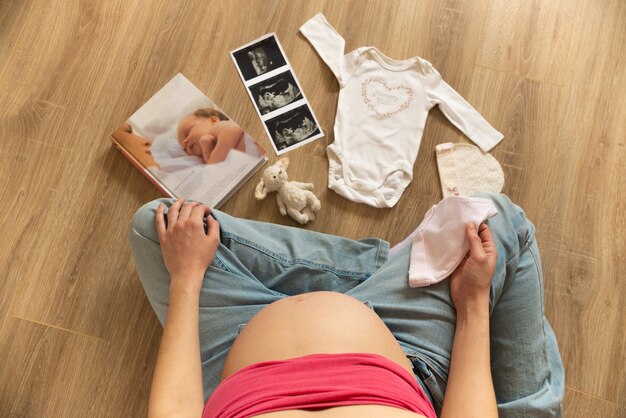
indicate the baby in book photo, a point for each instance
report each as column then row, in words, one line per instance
column 205, row 136
column 209, row 134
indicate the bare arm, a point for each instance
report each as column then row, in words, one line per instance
column 207, row 145
column 187, row 252
column 177, row 382
column 228, row 138
column 470, row 392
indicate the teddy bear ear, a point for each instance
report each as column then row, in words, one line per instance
column 284, row 162
column 260, row 192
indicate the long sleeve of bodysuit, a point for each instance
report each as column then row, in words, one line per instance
column 460, row 112
column 328, row 44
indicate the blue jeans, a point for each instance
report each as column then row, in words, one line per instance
column 259, row 263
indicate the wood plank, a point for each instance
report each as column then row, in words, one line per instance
column 45, row 384
column 527, row 38
column 579, row 404
column 63, row 373
column 526, row 112
column 586, row 297
column 549, row 75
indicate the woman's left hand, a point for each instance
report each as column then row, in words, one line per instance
column 187, row 250
column 471, row 281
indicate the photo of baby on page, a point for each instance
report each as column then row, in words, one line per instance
column 204, row 133
column 188, row 145
column 209, row 134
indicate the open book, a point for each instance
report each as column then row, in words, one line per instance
column 187, row 147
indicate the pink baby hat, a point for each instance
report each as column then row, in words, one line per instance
column 440, row 243
column 465, row 170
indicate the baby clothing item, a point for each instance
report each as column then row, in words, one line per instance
column 465, row 170
column 439, row 243
column 381, row 112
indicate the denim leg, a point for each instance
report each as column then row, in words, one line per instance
column 526, row 366
column 293, row 260
column 421, row 319
column 230, row 295
column 256, row 264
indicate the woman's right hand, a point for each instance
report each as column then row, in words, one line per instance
column 471, row 281
column 187, row 249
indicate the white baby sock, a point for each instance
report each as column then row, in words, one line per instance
column 439, row 243
column 465, row 170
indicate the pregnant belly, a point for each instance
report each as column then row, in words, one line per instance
column 318, row 322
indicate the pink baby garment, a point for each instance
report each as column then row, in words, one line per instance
column 440, row 243
column 381, row 112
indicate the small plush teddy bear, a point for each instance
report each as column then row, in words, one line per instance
column 293, row 198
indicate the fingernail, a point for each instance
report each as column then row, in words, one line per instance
column 472, row 226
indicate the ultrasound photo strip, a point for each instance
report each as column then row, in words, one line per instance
column 276, row 93
column 292, row 128
column 259, row 57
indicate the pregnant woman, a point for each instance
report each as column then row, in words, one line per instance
column 269, row 321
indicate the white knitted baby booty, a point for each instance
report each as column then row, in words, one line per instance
column 464, row 170
column 440, row 244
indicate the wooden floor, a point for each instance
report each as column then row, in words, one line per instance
column 77, row 335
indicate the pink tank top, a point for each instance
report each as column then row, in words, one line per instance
column 317, row 381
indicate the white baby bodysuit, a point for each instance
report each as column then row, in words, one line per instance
column 381, row 113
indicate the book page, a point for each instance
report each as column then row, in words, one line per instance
column 185, row 142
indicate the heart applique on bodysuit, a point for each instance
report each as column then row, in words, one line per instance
column 384, row 99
